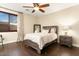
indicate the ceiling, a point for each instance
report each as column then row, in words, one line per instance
column 54, row 7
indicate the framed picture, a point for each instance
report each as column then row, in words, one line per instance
column 37, row 27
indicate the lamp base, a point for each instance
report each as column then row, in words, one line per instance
column 66, row 33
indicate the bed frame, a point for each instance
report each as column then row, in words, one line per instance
column 35, row 45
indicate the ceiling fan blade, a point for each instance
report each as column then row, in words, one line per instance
column 28, row 7
column 41, row 10
column 35, row 4
column 44, row 5
column 33, row 11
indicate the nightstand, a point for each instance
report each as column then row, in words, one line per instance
column 65, row 40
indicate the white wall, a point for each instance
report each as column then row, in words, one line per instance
column 68, row 16
column 9, row 37
column 29, row 21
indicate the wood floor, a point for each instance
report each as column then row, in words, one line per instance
column 18, row 49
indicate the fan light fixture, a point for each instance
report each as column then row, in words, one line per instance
column 36, row 8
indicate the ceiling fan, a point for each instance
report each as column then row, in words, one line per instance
column 37, row 6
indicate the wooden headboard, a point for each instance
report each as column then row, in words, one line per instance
column 50, row 27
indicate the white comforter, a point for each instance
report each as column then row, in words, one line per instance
column 41, row 38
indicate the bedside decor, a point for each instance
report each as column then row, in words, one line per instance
column 66, row 30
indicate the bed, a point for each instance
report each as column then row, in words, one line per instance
column 42, row 39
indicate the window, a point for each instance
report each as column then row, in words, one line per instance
column 13, row 23
column 8, row 22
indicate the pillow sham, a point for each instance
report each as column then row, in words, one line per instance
column 36, row 31
column 53, row 30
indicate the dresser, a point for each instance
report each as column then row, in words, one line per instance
column 65, row 40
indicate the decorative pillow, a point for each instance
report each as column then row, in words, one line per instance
column 36, row 31
column 53, row 30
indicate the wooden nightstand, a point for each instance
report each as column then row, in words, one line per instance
column 65, row 40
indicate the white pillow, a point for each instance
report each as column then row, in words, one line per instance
column 44, row 31
column 53, row 30
column 36, row 31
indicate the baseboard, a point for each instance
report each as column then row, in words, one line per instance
column 75, row 45
column 10, row 42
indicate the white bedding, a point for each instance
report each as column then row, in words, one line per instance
column 41, row 38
